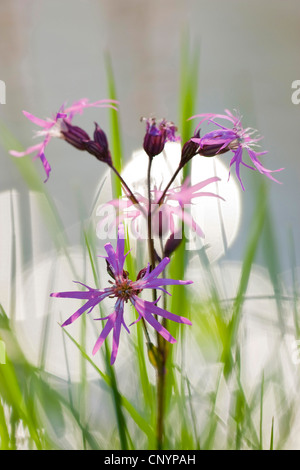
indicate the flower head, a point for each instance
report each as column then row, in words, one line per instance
column 165, row 209
column 125, row 290
column 236, row 139
column 157, row 134
column 60, row 126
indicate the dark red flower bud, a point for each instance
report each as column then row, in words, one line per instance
column 157, row 135
column 74, row 135
column 189, row 150
column 141, row 274
column 154, row 144
column 109, row 270
column 99, row 146
column 100, row 137
column 213, row 150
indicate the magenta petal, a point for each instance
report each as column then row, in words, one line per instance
column 32, row 149
column 238, row 159
column 151, row 307
column 145, row 309
column 91, row 294
column 158, row 270
column 38, row 121
column 105, row 332
column 116, row 259
column 46, row 165
column 116, row 337
column 157, row 283
column 120, row 257
column 170, row 316
column 111, row 258
column 159, row 328
column 90, row 304
column 260, row 167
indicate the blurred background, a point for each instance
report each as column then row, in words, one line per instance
column 54, row 52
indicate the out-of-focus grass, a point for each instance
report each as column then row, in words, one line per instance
column 32, row 405
column 115, row 130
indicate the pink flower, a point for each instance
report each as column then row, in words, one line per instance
column 124, row 290
column 235, row 139
column 175, row 204
column 59, row 126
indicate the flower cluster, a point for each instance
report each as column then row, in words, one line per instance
column 159, row 205
column 60, row 126
column 165, row 209
column 213, row 143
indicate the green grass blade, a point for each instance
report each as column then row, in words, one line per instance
column 115, row 132
column 272, row 435
column 4, row 434
column 261, row 445
column 188, row 91
column 137, row 418
column 270, row 251
column 295, row 281
column 256, row 225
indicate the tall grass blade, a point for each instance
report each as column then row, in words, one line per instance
column 115, row 132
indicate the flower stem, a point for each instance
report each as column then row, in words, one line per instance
column 149, row 221
column 161, row 199
column 161, row 356
column 128, row 191
column 132, row 197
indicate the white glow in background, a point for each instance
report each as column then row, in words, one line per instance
column 218, row 219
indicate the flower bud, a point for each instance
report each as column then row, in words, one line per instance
column 189, row 150
column 154, row 144
column 212, row 150
column 99, row 146
column 141, row 274
column 157, row 135
column 100, row 137
column 74, row 135
column 212, row 144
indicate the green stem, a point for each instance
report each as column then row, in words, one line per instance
column 151, row 248
column 161, row 356
column 161, row 199
column 128, row 191
column 132, row 197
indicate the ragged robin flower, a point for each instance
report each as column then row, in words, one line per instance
column 125, row 290
column 157, row 134
column 175, row 206
column 235, row 140
column 60, row 126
